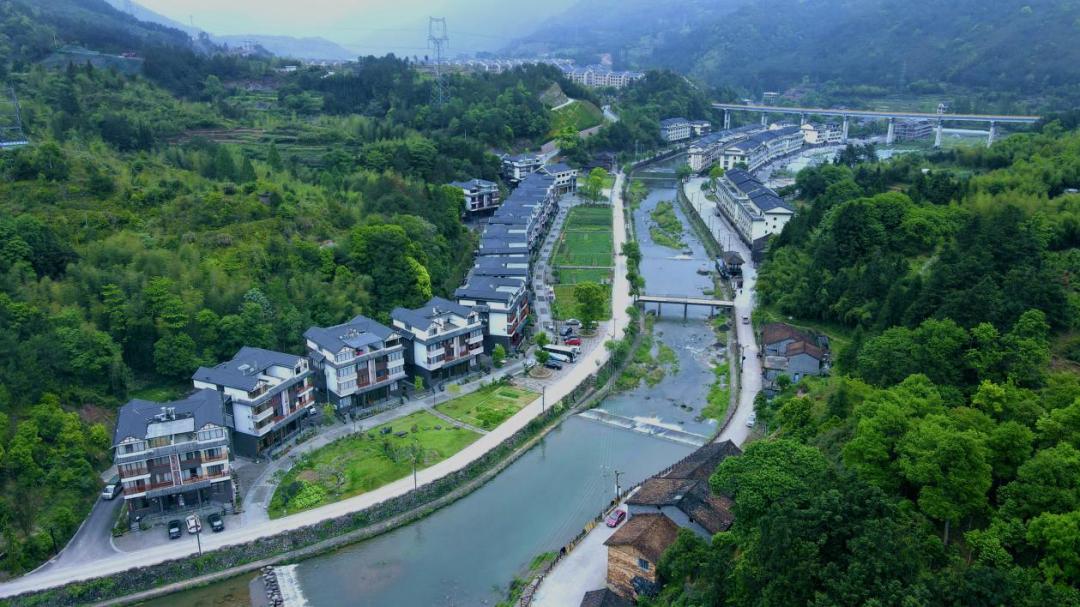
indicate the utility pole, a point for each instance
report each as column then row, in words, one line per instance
column 618, row 488
column 438, row 42
column 543, row 397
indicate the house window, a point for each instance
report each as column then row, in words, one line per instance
column 643, row 564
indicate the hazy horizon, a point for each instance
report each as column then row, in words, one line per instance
column 366, row 26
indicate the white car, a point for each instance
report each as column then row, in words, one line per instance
column 194, row 525
column 750, row 421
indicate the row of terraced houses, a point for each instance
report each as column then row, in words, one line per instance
column 175, row 455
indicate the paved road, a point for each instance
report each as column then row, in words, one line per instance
column 586, row 567
column 91, row 541
column 750, row 380
column 560, row 387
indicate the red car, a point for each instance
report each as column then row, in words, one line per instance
column 573, row 341
column 615, row 518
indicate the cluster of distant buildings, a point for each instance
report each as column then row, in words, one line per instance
column 677, row 498
column 597, row 76
column 673, row 130
column 175, row 455
column 750, row 146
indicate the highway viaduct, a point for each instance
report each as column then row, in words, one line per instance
column 846, row 114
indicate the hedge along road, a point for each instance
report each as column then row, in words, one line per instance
column 58, row 576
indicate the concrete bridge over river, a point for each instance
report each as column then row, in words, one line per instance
column 937, row 118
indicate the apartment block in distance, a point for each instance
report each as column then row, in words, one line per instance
column 358, row 363
column 173, row 456
column 444, row 338
column 267, row 393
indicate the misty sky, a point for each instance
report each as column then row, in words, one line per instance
column 368, row 26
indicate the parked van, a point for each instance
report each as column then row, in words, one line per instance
column 112, row 488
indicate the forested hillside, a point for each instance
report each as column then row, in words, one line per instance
column 939, row 463
column 1015, row 53
column 159, row 222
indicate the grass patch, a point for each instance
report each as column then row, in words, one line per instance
column 566, row 305
column 667, row 230
column 579, row 115
column 362, row 462
column 162, row 393
column 489, row 406
column 586, row 241
column 719, row 397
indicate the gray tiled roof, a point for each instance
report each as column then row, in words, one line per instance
column 421, row 317
column 206, row 406
column 490, row 288
column 674, row 121
column 357, row 333
column 473, row 183
column 242, row 372
column 558, row 167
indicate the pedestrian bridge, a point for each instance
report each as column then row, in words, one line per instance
column 683, row 300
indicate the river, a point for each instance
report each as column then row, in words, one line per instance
column 469, row 552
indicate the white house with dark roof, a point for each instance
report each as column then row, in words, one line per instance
column 503, row 304
column 267, row 391
column 565, row 177
column 480, row 195
column 753, row 209
column 357, row 363
column 516, row 168
column 443, row 338
column 173, row 456
column 674, row 129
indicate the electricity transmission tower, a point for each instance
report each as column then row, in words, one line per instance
column 11, row 129
column 438, row 42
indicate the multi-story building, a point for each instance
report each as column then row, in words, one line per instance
column 503, row 304
column 516, row 168
column 532, row 206
column 674, row 129
column 822, row 134
column 912, row 130
column 706, row 151
column 267, row 394
column 502, row 266
column 442, row 338
column 753, row 209
column 565, row 177
column 173, row 456
column 600, row 76
column 762, row 148
column 358, row 363
column 480, row 195
column 699, row 128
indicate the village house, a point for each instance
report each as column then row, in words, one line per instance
column 173, row 456
column 267, row 393
column 792, row 353
column 633, row 552
column 604, row 598
column 480, row 195
column 503, row 305
column 358, row 363
column 442, row 338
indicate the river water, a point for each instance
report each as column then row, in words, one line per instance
column 469, row 552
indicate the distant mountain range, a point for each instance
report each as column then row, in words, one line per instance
column 282, row 46
column 1014, row 46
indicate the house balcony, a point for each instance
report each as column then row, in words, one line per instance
column 135, row 473
column 260, row 416
column 206, row 459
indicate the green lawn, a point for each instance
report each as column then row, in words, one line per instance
column 565, row 305
column 488, row 407
column 579, row 115
column 364, row 462
column 163, row 392
column 586, row 241
column 586, row 238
